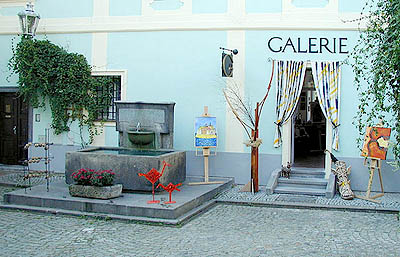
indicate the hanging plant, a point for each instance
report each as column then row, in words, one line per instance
column 376, row 65
column 48, row 73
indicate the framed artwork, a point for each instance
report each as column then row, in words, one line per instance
column 205, row 132
column 376, row 142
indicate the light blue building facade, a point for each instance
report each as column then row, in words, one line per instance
column 169, row 51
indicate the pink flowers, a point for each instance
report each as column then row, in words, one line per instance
column 94, row 178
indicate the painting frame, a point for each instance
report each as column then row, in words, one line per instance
column 205, row 135
column 376, row 142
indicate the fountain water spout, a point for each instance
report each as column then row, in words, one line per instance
column 138, row 126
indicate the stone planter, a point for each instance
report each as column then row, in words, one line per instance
column 106, row 192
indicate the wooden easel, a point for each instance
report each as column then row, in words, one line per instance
column 374, row 164
column 206, row 154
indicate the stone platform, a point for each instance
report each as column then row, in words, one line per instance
column 130, row 206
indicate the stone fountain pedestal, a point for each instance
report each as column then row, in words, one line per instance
column 146, row 133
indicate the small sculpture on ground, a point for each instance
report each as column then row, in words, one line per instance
column 152, row 176
column 170, row 188
column 285, row 172
column 342, row 173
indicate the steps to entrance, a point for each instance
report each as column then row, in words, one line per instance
column 302, row 181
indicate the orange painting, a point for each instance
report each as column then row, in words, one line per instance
column 376, row 142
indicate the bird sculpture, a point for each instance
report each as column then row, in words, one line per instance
column 170, row 188
column 152, row 176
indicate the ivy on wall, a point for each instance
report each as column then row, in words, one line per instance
column 48, row 73
column 376, row 64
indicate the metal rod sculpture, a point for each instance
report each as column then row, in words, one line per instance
column 28, row 174
column 170, row 188
column 152, row 176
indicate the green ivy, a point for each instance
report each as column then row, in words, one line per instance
column 48, row 72
column 376, row 64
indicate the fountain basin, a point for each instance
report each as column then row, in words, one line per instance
column 141, row 138
column 127, row 163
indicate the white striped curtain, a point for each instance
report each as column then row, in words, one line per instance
column 327, row 83
column 289, row 82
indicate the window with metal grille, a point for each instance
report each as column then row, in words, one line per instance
column 109, row 114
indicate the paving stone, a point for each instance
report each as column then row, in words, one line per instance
column 224, row 230
column 389, row 200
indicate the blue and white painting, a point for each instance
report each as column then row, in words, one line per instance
column 205, row 132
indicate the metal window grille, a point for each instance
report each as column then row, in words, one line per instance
column 109, row 114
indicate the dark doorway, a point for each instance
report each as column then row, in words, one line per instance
column 13, row 129
column 309, row 128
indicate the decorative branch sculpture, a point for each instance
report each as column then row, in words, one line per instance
column 242, row 111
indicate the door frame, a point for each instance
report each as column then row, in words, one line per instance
column 288, row 145
column 30, row 110
column 288, row 138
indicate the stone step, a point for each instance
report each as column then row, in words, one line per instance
column 307, row 172
column 299, row 190
column 303, row 182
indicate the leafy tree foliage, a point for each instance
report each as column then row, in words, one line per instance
column 48, row 73
column 376, row 64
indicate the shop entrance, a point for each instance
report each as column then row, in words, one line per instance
column 13, row 128
column 309, row 131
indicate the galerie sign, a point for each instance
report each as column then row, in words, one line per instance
column 312, row 45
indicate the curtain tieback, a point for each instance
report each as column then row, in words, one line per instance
column 335, row 126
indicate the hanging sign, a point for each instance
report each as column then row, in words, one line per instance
column 227, row 65
column 205, row 131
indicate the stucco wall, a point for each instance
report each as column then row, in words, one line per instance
column 169, row 51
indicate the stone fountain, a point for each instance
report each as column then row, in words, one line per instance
column 146, row 132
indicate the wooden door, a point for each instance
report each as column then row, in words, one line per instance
column 13, row 129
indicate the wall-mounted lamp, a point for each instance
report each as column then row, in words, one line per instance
column 29, row 20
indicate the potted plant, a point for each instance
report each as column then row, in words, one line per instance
column 94, row 184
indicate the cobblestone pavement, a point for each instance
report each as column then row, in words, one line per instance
column 388, row 201
column 224, row 230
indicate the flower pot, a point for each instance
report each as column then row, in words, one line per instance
column 105, row 192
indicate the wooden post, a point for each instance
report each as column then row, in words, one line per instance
column 206, row 153
column 253, row 186
column 254, row 151
column 254, row 166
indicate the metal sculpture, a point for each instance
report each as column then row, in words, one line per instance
column 170, row 188
column 152, row 176
column 28, row 173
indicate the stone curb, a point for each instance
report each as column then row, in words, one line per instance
column 281, row 204
column 184, row 219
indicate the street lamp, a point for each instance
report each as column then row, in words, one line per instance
column 29, row 20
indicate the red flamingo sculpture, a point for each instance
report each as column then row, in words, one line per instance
column 153, row 175
column 171, row 187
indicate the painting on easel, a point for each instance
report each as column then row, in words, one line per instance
column 376, row 142
column 205, row 132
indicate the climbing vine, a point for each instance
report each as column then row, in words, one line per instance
column 49, row 74
column 376, row 64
